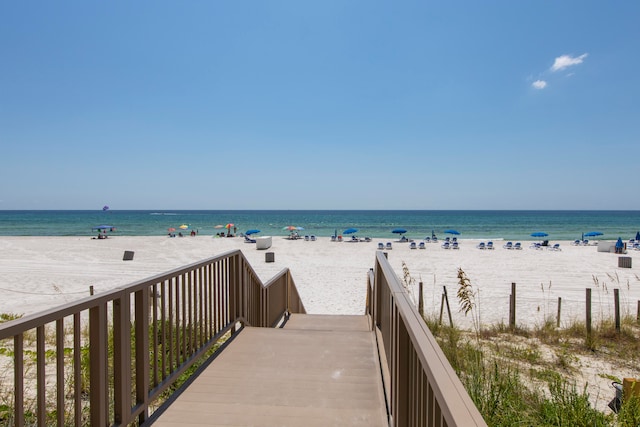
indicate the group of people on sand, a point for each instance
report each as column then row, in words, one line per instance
column 193, row 234
column 222, row 234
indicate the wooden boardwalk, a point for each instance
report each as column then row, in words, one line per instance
column 317, row 371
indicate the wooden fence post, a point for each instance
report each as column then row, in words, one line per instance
column 91, row 290
column 512, row 307
column 446, row 300
column 616, row 306
column 441, row 308
column 559, row 308
column 588, row 320
column 420, row 302
column 638, row 313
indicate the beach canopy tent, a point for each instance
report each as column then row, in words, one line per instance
column 104, row 227
column 398, row 231
column 250, row 232
column 454, row 232
column 350, row 231
column 539, row 234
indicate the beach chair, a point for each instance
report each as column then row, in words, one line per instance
column 434, row 239
column 313, row 238
column 446, row 245
column 427, row 239
column 248, row 239
column 367, row 239
column 334, row 238
column 536, row 245
column 585, row 242
column 447, row 239
column 381, row 246
column 413, row 245
column 455, row 245
column 481, row 245
column 518, row 246
column 508, row 245
column 577, row 242
column 339, row 238
column 354, row 239
column 389, row 246
column 421, row 245
column 489, row 245
column 306, row 238
column 555, row 247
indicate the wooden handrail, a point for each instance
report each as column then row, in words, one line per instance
column 421, row 387
column 116, row 353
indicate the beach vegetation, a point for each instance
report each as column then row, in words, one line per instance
column 531, row 375
column 7, row 317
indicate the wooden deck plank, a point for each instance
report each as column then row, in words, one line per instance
column 317, row 371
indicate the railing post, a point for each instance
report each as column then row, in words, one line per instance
column 18, row 363
column 98, row 364
column 122, row 359
column 142, row 351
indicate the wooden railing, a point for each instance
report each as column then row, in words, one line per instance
column 111, row 359
column 421, row 387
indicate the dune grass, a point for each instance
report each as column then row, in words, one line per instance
column 526, row 376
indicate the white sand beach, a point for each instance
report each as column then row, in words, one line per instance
column 41, row 272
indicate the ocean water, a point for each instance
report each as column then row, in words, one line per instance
column 496, row 225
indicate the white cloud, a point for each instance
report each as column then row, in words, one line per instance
column 565, row 61
column 539, row 84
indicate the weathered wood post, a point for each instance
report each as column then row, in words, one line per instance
column 638, row 313
column 91, row 291
column 446, row 299
column 420, row 301
column 441, row 308
column 616, row 306
column 588, row 319
column 559, row 308
column 512, row 307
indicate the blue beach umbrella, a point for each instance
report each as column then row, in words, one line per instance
column 398, row 231
column 454, row 232
column 350, row 231
column 250, row 232
column 103, row 227
column 592, row 234
column 539, row 234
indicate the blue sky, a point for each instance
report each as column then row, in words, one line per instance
column 324, row 105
